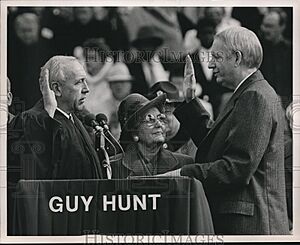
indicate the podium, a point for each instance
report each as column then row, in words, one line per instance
column 151, row 205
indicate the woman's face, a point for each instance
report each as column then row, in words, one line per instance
column 152, row 130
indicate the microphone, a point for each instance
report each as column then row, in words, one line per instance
column 102, row 120
column 90, row 120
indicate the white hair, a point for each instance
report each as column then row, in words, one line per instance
column 59, row 67
column 243, row 40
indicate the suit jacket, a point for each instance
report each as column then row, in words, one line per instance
column 240, row 160
column 131, row 164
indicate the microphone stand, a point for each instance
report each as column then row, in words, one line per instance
column 117, row 156
column 100, row 147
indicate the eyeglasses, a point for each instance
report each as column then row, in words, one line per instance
column 151, row 120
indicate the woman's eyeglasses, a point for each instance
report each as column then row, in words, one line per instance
column 151, row 120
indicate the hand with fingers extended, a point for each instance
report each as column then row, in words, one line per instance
column 189, row 82
column 49, row 99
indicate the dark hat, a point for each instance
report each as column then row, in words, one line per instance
column 148, row 35
column 132, row 107
column 166, row 87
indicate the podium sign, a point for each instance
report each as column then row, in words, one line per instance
column 115, row 207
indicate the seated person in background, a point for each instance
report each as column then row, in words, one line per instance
column 97, row 61
column 277, row 62
column 147, row 67
column 85, row 26
column 142, row 138
column 221, row 20
column 177, row 138
column 120, row 83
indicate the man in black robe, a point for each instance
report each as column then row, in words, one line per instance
column 49, row 139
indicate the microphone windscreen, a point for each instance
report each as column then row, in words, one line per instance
column 101, row 117
column 89, row 119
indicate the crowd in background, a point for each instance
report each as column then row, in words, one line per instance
column 128, row 49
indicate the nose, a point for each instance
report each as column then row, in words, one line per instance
column 85, row 88
column 159, row 124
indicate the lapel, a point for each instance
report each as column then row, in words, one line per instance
column 89, row 146
column 255, row 77
column 132, row 160
column 167, row 160
column 83, row 132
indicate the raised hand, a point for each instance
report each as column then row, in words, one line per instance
column 189, row 82
column 49, row 99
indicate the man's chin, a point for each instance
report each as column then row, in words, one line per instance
column 80, row 107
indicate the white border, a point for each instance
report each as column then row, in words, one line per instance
column 180, row 3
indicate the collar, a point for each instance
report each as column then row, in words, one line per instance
column 64, row 113
column 243, row 81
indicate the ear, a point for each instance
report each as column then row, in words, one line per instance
column 238, row 58
column 56, row 87
column 9, row 98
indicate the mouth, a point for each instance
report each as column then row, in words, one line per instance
column 158, row 134
column 82, row 100
column 215, row 73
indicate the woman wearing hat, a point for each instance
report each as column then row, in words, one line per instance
column 142, row 137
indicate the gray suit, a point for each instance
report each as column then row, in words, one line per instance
column 240, row 159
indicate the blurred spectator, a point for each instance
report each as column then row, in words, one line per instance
column 288, row 31
column 97, row 62
column 118, row 40
column 218, row 16
column 250, row 17
column 184, row 21
column 165, row 19
column 85, row 26
column 120, row 83
column 147, row 68
column 277, row 60
column 211, row 91
column 58, row 20
column 28, row 50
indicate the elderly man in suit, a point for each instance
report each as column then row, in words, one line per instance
column 240, row 156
